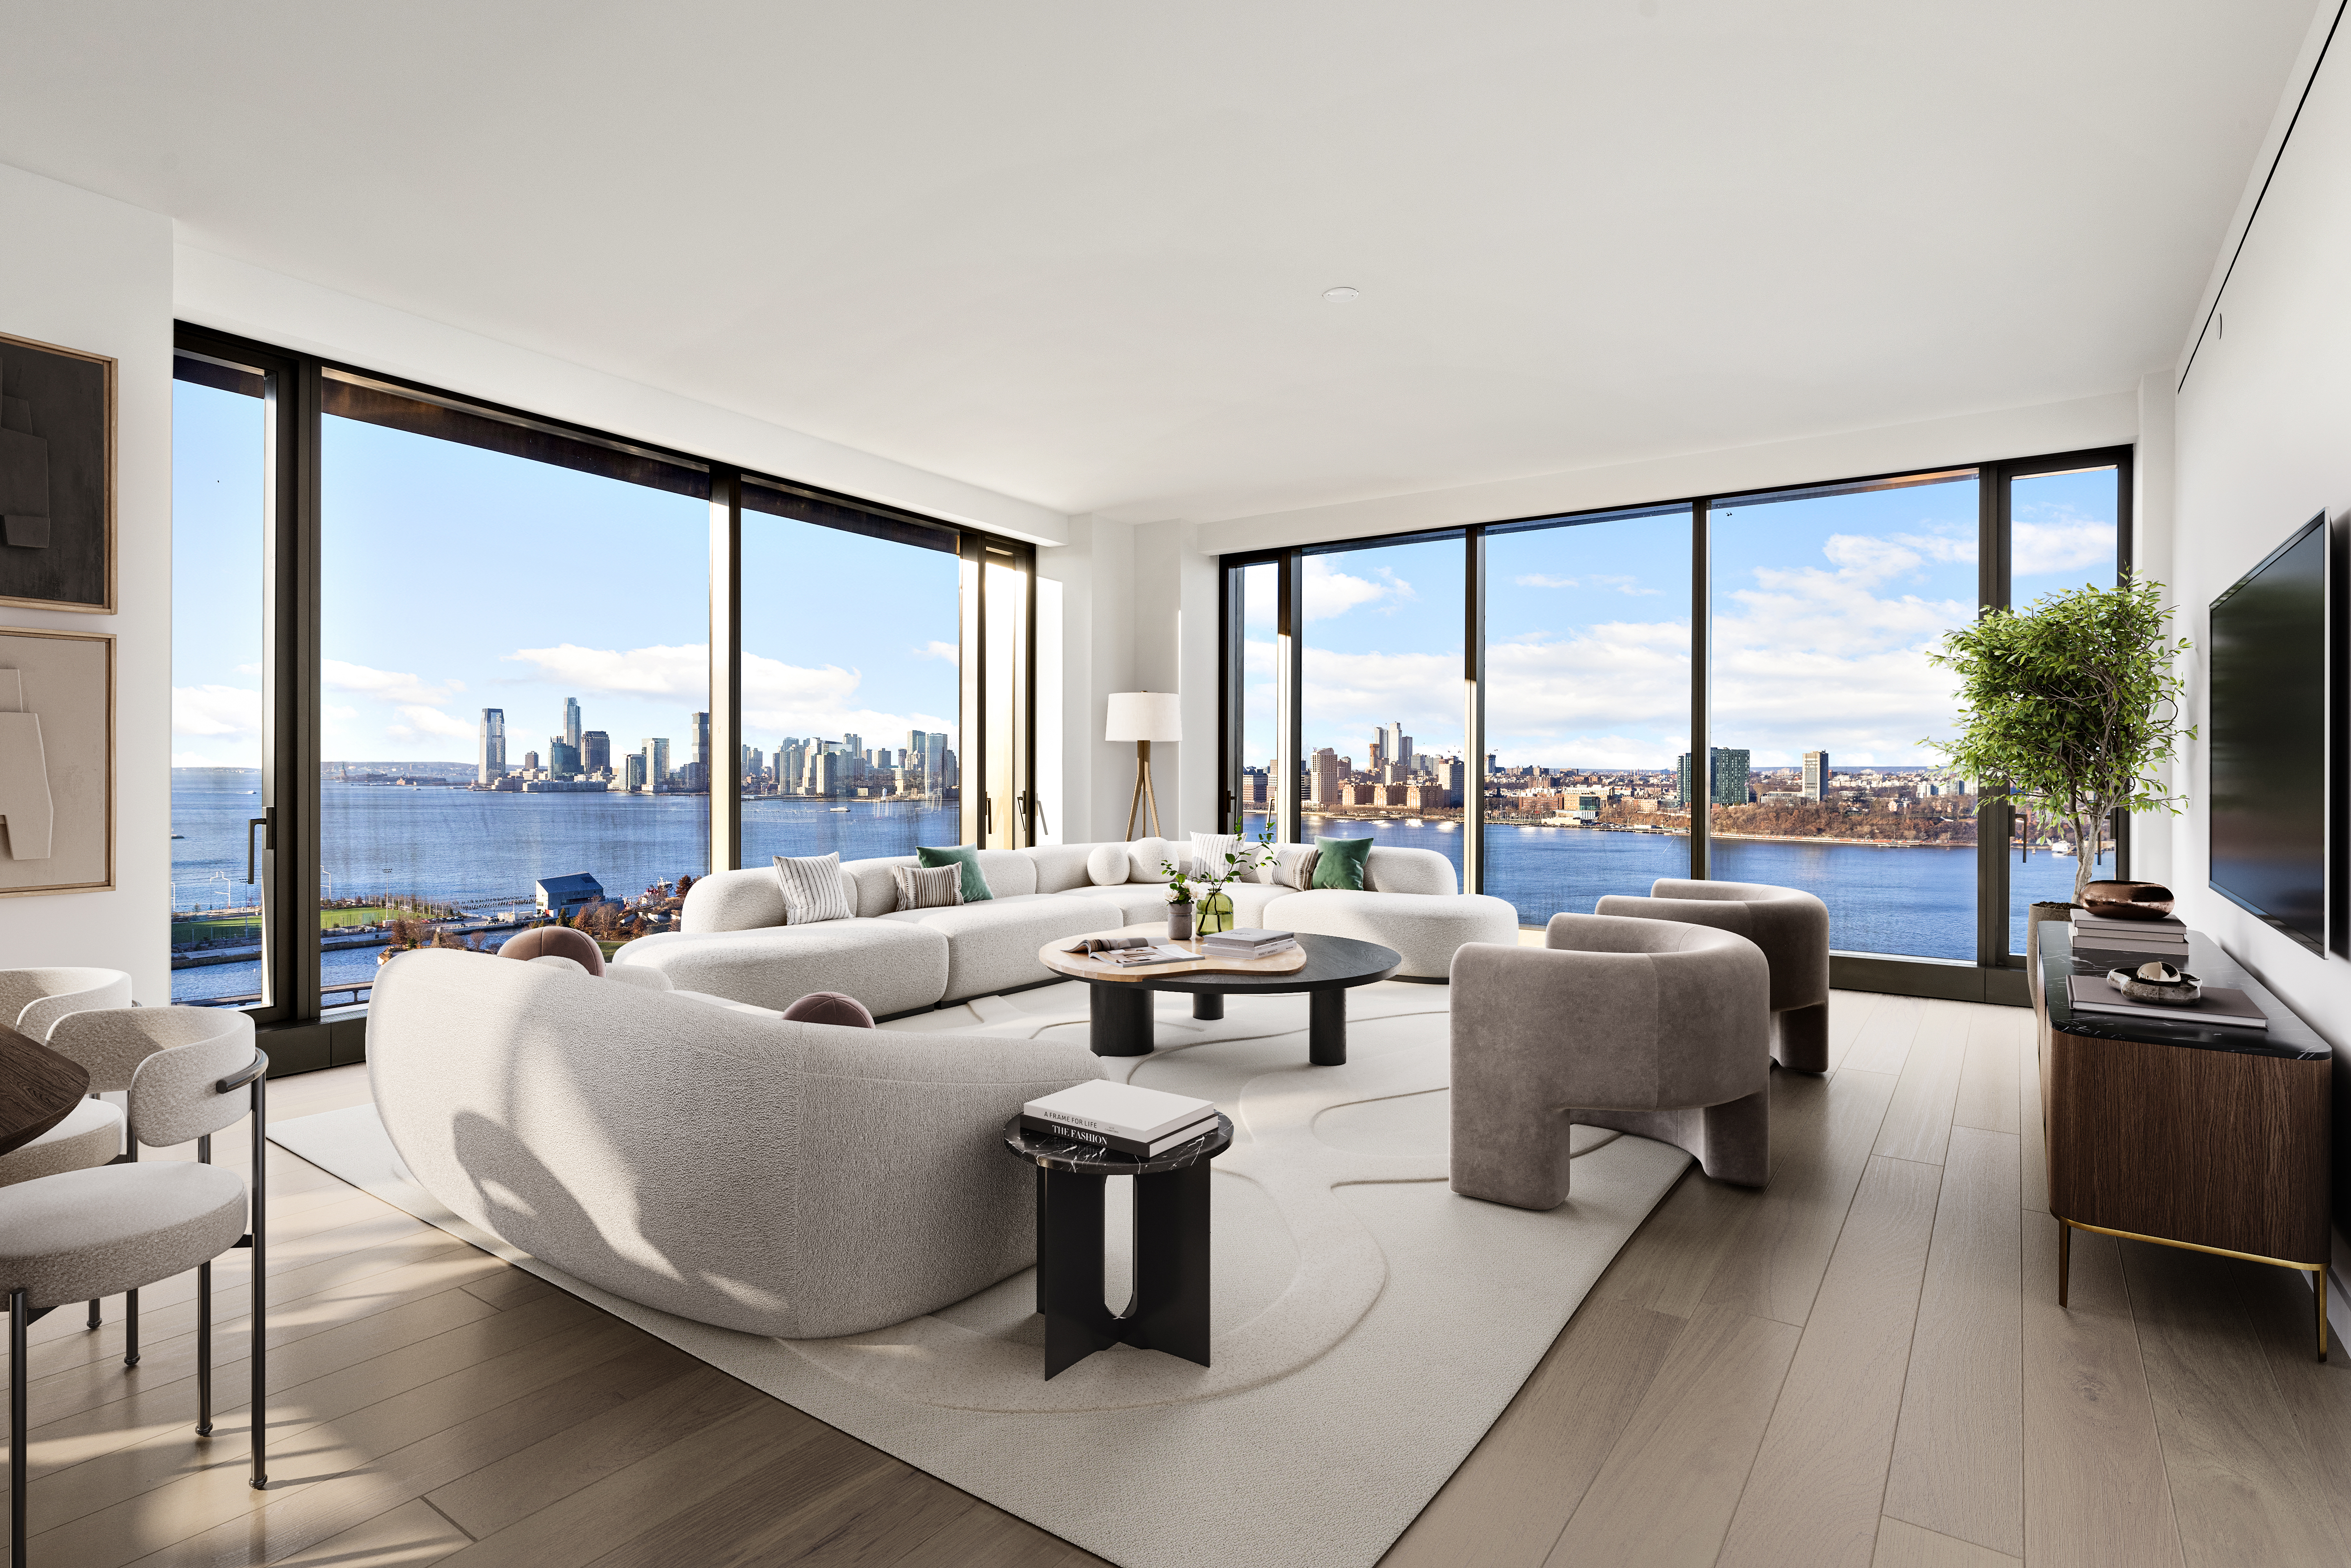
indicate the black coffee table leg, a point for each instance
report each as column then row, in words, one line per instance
column 1326, row 1027
column 1170, row 1264
column 1208, row 1005
column 1122, row 1019
column 1069, row 1268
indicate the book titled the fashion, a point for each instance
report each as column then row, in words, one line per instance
column 1135, row 1146
column 2170, row 924
column 1120, row 1110
column 2217, row 1005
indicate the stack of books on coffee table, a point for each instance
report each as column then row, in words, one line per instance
column 1133, row 1120
column 1247, row 943
column 2095, row 937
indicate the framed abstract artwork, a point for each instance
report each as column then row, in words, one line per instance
column 56, row 477
column 57, row 761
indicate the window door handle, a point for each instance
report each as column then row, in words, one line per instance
column 267, row 823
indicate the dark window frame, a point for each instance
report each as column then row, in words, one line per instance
column 1997, row 972
column 304, row 1033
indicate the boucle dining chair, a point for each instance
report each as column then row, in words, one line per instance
column 90, row 1233
column 33, row 999
column 109, row 1044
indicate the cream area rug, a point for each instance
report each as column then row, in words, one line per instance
column 1367, row 1324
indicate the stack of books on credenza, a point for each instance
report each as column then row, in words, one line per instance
column 2095, row 937
column 1145, row 1123
column 1247, row 943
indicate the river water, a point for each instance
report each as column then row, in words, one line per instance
column 483, row 851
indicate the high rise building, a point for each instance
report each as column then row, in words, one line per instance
column 934, row 762
column 1395, row 746
column 493, row 763
column 1727, row 783
column 702, row 743
column 562, row 759
column 1379, row 749
column 571, row 722
column 530, row 762
column 595, row 751
column 633, row 771
column 656, row 762
column 1816, row 774
column 1324, row 788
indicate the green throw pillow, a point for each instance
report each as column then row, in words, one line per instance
column 1340, row 864
column 975, row 884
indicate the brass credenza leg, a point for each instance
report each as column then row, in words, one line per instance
column 2065, row 1258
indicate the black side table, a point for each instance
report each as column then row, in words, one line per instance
column 1169, row 1308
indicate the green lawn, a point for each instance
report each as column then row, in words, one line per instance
column 247, row 927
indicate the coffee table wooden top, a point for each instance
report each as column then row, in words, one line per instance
column 1086, row 966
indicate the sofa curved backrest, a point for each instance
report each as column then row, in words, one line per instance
column 1391, row 868
column 795, row 1179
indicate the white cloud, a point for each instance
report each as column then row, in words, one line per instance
column 248, row 669
column 1597, row 580
column 336, row 711
column 215, row 711
column 388, row 686
column 947, row 652
column 660, row 671
column 2064, row 543
column 424, row 720
column 1329, row 592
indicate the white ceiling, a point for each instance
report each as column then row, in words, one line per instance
column 1076, row 251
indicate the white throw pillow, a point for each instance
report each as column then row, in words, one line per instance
column 1293, row 865
column 1106, row 866
column 813, row 888
column 1208, row 852
column 1144, row 856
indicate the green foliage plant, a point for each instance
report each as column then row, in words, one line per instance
column 2072, row 704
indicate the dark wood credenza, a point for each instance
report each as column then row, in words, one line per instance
column 2190, row 1135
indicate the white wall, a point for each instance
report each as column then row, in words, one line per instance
column 2260, row 448
column 84, row 272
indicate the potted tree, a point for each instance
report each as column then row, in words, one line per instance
column 2071, row 703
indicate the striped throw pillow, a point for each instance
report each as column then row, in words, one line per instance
column 813, row 888
column 1208, row 852
column 1292, row 866
column 928, row 886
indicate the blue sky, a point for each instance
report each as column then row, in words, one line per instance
column 1824, row 612
column 455, row 579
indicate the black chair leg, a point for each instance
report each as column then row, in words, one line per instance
column 260, row 1280
column 204, row 1350
column 130, row 1328
column 17, row 1323
column 94, row 1318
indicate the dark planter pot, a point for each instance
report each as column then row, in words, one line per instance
column 1179, row 923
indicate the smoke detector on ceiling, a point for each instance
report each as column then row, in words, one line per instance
column 1341, row 294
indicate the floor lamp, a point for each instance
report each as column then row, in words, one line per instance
column 1144, row 718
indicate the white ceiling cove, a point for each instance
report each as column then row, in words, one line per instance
column 1078, row 252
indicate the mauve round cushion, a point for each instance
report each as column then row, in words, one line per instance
column 830, row 1007
column 557, row 942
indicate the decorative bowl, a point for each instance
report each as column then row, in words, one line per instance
column 2127, row 900
column 2140, row 987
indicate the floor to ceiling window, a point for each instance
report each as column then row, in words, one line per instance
column 1797, row 751
column 1255, row 794
column 220, row 429
column 1587, row 707
column 2063, row 533
column 1381, row 701
column 453, row 666
column 1826, row 604
column 850, row 742
column 514, row 666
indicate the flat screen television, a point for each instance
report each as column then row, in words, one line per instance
column 2270, row 656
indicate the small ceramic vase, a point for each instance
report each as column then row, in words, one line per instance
column 1179, row 922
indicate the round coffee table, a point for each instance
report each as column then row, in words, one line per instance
column 1121, row 1002
column 1168, row 1309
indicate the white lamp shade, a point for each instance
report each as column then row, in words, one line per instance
column 1144, row 716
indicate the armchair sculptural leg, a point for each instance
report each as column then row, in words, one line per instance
column 1800, row 1037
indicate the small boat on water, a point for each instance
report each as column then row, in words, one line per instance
column 836, row 808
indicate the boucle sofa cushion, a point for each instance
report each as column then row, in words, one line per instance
column 1391, row 868
column 1061, row 867
column 1106, row 865
column 735, row 901
column 1425, row 931
column 1138, row 903
column 876, row 890
column 889, row 967
column 992, row 946
column 1010, row 872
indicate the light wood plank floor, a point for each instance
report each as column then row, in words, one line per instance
column 1862, row 1363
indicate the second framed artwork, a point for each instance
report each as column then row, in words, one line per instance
column 57, row 761
column 56, row 477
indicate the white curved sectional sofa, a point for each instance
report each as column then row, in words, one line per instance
column 733, row 942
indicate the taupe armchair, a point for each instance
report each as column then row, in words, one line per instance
column 1646, row 1025
column 91, row 1233
column 1791, row 926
